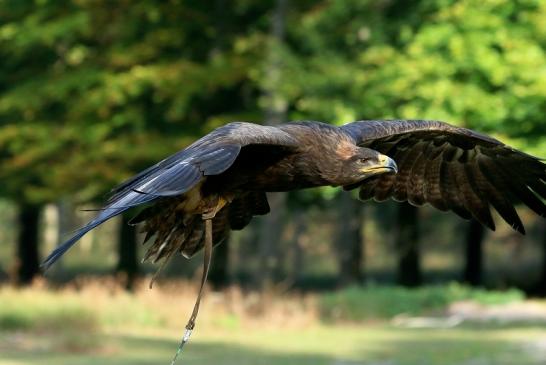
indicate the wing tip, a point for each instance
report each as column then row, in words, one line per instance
column 58, row 252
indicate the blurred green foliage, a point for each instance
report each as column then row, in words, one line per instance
column 481, row 64
column 93, row 91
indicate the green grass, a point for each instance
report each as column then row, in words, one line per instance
column 383, row 302
column 328, row 345
column 25, row 310
column 40, row 309
column 100, row 324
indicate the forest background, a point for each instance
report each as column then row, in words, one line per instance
column 93, row 91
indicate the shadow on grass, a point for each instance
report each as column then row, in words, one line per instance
column 140, row 350
column 372, row 347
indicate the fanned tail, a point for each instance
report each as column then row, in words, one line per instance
column 178, row 232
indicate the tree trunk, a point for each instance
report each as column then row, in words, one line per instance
column 269, row 238
column 275, row 102
column 407, row 244
column 298, row 251
column 59, row 227
column 473, row 270
column 349, row 240
column 28, row 261
column 127, row 253
column 275, row 112
column 541, row 287
column 218, row 275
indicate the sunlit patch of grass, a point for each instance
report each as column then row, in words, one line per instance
column 39, row 320
column 103, row 304
column 371, row 302
column 31, row 309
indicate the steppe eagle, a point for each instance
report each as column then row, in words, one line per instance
column 196, row 196
column 225, row 176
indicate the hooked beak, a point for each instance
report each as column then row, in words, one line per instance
column 385, row 164
column 388, row 163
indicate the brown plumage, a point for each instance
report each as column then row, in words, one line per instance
column 225, row 175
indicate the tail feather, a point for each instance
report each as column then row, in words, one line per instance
column 183, row 233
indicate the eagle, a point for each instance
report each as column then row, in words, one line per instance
column 219, row 183
column 223, row 177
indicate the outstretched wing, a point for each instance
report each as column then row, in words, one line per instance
column 175, row 175
column 453, row 169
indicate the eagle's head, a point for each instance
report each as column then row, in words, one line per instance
column 361, row 163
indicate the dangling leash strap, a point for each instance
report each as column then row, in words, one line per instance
column 206, row 265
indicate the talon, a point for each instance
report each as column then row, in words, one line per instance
column 207, row 216
column 221, row 202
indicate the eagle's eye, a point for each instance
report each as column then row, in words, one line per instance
column 363, row 160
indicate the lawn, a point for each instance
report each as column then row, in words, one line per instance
column 339, row 344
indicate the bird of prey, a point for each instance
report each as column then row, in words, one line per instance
column 224, row 176
column 196, row 196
